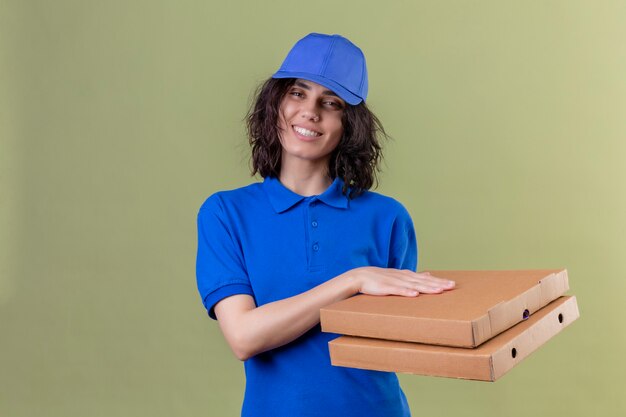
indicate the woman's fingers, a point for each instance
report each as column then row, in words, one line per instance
column 425, row 283
column 390, row 288
column 407, row 292
column 426, row 288
column 390, row 281
column 414, row 287
column 398, row 286
column 428, row 279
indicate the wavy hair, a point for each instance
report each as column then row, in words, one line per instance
column 355, row 160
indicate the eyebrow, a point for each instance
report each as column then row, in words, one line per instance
column 307, row 87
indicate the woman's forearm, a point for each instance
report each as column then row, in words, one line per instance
column 250, row 331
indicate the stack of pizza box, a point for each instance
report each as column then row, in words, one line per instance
column 481, row 329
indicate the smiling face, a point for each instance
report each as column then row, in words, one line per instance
column 310, row 122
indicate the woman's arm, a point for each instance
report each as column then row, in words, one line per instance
column 250, row 330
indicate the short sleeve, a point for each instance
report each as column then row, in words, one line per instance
column 220, row 268
column 403, row 244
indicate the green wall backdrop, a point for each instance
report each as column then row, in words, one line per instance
column 118, row 118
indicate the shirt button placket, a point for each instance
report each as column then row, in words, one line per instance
column 314, row 224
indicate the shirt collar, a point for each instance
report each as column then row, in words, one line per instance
column 282, row 198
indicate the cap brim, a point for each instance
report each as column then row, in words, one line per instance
column 338, row 89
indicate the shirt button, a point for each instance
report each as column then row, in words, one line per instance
column 316, row 247
column 314, row 223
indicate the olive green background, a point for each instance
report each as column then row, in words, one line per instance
column 118, row 118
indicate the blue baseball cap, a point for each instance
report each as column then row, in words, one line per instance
column 329, row 60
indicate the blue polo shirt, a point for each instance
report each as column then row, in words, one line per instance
column 271, row 243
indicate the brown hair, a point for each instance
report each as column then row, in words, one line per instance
column 356, row 158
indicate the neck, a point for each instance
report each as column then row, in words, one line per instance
column 306, row 180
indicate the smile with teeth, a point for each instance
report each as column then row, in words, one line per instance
column 306, row 132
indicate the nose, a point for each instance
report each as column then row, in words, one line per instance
column 309, row 115
column 309, row 111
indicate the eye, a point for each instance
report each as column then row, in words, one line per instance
column 333, row 104
column 296, row 93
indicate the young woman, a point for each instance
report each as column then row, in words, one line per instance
column 271, row 254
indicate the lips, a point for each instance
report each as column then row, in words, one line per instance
column 306, row 133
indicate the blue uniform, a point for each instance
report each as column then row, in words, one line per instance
column 271, row 243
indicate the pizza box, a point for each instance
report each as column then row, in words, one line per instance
column 482, row 305
column 487, row 362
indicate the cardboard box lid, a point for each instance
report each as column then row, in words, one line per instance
column 488, row 362
column 483, row 304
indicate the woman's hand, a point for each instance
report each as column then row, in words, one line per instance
column 388, row 281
